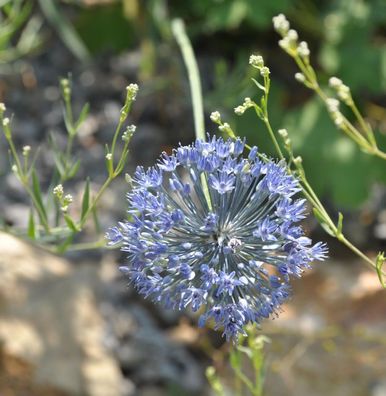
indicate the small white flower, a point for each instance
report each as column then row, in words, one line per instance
column 6, row 121
column 2, row 107
column 14, row 168
column 67, row 199
column 292, row 35
column 109, row 156
column 283, row 133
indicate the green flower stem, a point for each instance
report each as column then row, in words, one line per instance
column 365, row 126
column 178, row 28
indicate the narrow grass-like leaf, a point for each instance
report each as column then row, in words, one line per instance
column 82, row 116
column 38, row 196
column 70, row 223
column 322, row 222
column 65, row 30
column 380, row 261
column 31, row 231
column 86, row 199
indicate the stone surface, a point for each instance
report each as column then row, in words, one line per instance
column 50, row 319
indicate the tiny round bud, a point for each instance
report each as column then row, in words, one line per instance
column 303, row 49
column 292, row 35
column 215, row 116
column 283, row 133
column 335, row 82
column 109, row 156
column 26, row 150
column 298, row 160
column 300, row 77
column 332, row 104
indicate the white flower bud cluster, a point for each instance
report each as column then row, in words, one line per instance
column 281, row 24
column 215, row 117
column 109, row 156
column 289, row 41
column 342, row 90
column 129, row 132
column 333, row 108
column 256, row 61
column 132, row 90
column 239, row 110
column 224, row 127
column 67, row 200
column 6, row 121
column 2, row 107
column 284, row 134
column 303, row 50
column 58, row 191
column 26, row 150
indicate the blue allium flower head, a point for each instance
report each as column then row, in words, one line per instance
column 231, row 258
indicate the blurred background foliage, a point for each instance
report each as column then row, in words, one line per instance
column 347, row 39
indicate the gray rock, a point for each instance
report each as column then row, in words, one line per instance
column 49, row 317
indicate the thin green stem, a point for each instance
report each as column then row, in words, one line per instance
column 272, row 135
column 366, row 128
column 178, row 28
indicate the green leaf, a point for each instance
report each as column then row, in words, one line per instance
column 83, row 115
column 31, row 231
column 74, row 169
column 38, row 197
column 86, row 199
column 63, row 247
column 379, row 264
column 260, row 86
column 66, row 31
column 71, row 224
column 318, row 215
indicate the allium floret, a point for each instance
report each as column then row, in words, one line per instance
column 232, row 257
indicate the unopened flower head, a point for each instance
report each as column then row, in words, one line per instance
column 6, row 121
column 256, row 61
column 300, row 77
column 215, row 116
column 332, row 105
column 132, row 90
column 109, row 156
column 239, row 110
column 26, row 150
column 58, row 191
column 335, row 82
column 281, row 24
column 303, row 49
column 232, row 258
column 2, row 107
column 264, row 71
